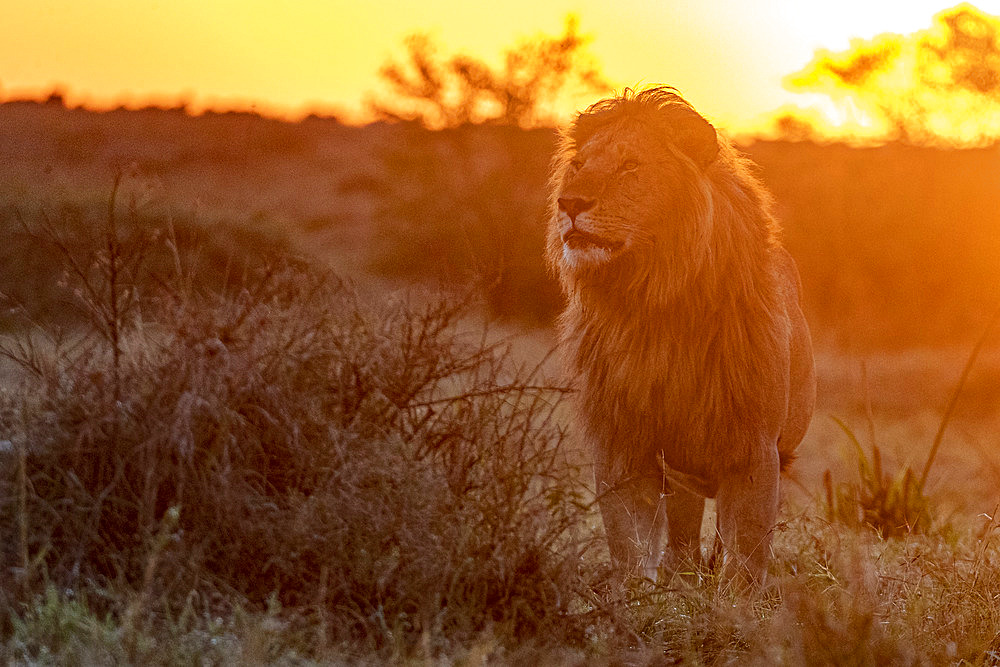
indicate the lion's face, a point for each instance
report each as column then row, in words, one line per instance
column 625, row 195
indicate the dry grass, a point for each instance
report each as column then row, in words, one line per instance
column 284, row 471
column 387, row 479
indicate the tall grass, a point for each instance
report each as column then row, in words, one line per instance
column 894, row 502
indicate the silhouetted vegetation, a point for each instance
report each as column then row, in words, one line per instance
column 466, row 205
column 940, row 84
column 448, row 91
column 47, row 248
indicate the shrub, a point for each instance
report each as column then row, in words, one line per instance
column 467, row 206
column 50, row 253
column 367, row 466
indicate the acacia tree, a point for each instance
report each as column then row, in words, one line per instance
column 939, row 84
column 448, row 91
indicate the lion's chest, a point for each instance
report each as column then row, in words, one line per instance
column 646, row 395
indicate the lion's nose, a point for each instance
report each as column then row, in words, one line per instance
column 574, row 206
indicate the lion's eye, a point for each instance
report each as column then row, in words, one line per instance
column 576, row 164
column 630, row 165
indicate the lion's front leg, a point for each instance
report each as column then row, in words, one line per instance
column 747, row 506
column 634, row 519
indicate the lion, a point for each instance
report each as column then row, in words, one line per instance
column 682, row 331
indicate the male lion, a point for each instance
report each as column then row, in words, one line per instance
column 683, row 328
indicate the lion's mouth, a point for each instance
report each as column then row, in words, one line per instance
column 575, row 239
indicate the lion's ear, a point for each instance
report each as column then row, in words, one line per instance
column 695, row 136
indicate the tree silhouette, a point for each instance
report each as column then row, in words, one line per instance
column 939, row 84
column 449, row 91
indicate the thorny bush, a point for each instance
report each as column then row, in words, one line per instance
column 367, row 465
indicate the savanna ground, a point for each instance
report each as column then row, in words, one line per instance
column 284, row 393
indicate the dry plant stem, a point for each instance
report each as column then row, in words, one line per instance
column 167, row 527
column 114, row 320
column 22, row 510
column 950, row 410
column 869, row 415
column 493, row 391
column 321, row 612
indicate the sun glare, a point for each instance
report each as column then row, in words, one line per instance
column 940, row 84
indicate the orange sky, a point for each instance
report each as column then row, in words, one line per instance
column 728, row 57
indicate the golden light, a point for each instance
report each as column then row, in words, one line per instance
column 728, row 57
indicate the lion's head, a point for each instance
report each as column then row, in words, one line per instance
column 629, row 193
